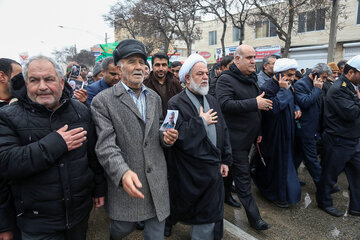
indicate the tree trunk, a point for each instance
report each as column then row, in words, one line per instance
column 166, row 45
column 241, row 34
column 188, row 47
column 223, row 38
column 333, row 29
column 290, row 28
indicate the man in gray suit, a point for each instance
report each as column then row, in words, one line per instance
column 129, row 147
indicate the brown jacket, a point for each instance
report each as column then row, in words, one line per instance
column 173, row 87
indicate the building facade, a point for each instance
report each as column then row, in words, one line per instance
column 309, row 43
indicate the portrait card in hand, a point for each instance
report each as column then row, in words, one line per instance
column 76, row 84
column 75, row 71
column 170, row 120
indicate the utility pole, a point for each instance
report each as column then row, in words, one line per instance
column 333, row 30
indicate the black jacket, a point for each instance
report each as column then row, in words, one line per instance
column 308, row 97
column 7, row 213
column 237, row 94
column 342, row 110
column 52, row 187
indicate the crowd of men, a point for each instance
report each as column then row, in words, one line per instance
column 63, row 152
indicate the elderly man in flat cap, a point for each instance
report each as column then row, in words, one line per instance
column 200, row 157
column 276, row 175
column 129, row 147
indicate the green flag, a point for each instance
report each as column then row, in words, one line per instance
column 108, row 50
column 109, row 47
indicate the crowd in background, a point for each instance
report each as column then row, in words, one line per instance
column 69, row 143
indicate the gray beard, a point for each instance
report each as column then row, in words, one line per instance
column 198, row 88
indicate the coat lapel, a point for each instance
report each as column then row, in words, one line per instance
column 150, row 112
column 125, row 98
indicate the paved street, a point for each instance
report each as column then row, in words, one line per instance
column 296, row 222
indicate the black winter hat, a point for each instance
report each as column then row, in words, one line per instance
column 129, row 47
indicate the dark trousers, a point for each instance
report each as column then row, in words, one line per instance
column 228, row 184
column 341, row 154
column 241, row 174
column 153, row 229
column 306, row 151
column 78, row 232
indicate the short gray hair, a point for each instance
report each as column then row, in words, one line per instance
column 238, row 52
column 321, row 68
column 106, row 62
column 59, row 71
column 119, row 63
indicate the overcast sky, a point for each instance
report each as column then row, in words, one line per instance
column 32, row 25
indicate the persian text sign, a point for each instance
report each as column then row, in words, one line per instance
column 262, row 52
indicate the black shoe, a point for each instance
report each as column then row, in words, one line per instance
column 281, row 204
column 332, row 211
column 335, row 189
column 259, row 225
column 302, row 183
column 354, row 212
column 167, row 231
column 232, row 202
column 140, row 225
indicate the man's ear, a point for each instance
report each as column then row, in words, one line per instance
column 3, row 77
column 118, row 68
column 187, row 78
column 62, row 83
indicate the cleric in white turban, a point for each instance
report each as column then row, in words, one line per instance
column 188, row 64
column 277, row 180
column 284, row 64
column 200, row 157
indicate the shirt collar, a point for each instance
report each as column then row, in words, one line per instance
column 355, row 87
column 129, row 90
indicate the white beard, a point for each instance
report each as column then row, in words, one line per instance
column 198, row 88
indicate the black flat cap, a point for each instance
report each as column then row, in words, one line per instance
column 128, row 47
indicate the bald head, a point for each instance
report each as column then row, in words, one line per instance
column 243, row 48
column 245, row 59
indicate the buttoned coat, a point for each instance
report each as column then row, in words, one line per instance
column 126, row 142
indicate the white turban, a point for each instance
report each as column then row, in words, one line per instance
column 284, row 64
column 188, row 64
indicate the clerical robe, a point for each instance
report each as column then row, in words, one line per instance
column 277, row 179
column 195, row 182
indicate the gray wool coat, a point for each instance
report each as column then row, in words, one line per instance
column 126, row 142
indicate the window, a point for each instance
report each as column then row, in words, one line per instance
column 311, row 21
column 212, row 38
column 358, row 13
column 265, row 29
column 236, row 34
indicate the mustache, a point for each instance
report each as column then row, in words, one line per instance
column 138, row 72
column 45, row 92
